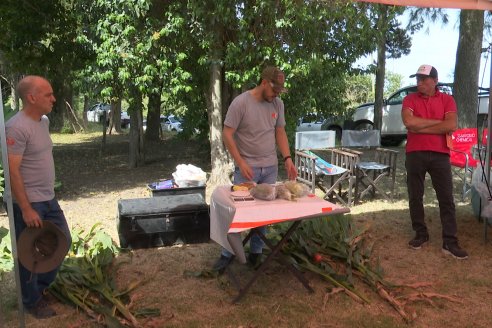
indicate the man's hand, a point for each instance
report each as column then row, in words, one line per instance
column 246, row 171
column 31, row 218
column 291, row 169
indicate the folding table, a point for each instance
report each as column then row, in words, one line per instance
column 228, row 219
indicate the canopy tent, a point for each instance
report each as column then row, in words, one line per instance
column 460, row 4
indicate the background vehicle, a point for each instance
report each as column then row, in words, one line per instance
column 96, row 114
column 171, row 123
column 310, row 122
column 392, row 124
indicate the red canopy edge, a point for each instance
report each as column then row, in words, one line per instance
column 462, row 4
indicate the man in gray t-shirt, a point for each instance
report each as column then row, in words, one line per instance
column 32, row 177
column 253, row 129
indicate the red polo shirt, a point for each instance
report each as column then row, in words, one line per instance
column 434, row 107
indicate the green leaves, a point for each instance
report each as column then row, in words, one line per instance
column 6, row 260
column 85, row 279
column 344, row 252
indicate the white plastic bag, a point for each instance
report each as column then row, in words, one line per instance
column 188, row 175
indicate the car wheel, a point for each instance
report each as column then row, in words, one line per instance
column 364, row 126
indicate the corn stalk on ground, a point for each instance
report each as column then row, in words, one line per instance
column 85, row 280
column 337, row 251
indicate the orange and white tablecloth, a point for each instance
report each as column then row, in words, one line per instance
column 228, row 218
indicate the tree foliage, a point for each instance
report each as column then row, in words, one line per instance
column 193, row 57
column 44, row 38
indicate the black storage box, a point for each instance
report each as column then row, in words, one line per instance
column 176, row 191
column 163, row 221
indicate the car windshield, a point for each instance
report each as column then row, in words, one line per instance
column 173, row 119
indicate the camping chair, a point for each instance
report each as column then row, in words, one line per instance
column 369, row 174
column 461, row 157
column 327, row 169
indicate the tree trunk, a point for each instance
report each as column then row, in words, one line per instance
column 115, row 116
column 221, row 168
column 467, row 67
column 84, row 113
column 153, row 131
column 15, row 96
column 136, row 155
column 379, row 86
column 57, row 114
column 380, row 69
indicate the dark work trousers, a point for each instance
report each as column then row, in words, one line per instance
column 437, row 164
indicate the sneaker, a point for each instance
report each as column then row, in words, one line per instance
column 455, row 251
column 254, row 259
column 42, row 310
column 418, row 241
column 222, row 264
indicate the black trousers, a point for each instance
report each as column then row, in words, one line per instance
column 439, row 168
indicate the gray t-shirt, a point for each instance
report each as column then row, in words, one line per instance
column 32, row 140
column 255, row 122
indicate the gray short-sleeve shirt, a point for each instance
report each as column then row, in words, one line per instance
column 255, row 122
column 32, row 140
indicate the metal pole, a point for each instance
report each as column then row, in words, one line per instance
column 489, row 132
column 7, row 198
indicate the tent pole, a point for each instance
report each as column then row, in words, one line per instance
column 7, row 199
column 489, row 132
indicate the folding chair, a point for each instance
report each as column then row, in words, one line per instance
column 463, row 141
column 327, row 169
column 369, row 174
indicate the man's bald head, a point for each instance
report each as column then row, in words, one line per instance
column 29, row 84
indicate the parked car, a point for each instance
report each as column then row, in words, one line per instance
column 392, row 124
column 171, row 123
column 310, row 122
column 96, row 114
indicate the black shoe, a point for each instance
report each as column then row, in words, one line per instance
column 455, row 251
column 42, row 310
column 222, row 264
column 418, row 241
column 254, row 259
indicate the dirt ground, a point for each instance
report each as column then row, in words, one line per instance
column 93, row 182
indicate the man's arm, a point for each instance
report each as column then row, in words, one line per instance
column 415, row 123
column 429, row 126
column 30, row 216
column 283, row 146
column 230, row 143
column 449, row 124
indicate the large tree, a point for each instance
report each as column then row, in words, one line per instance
column 392, row 42
column 313, row 42
column 42, row 38
column 467, row 66
column 467, row 63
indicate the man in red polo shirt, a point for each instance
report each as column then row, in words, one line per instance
column 428, row 116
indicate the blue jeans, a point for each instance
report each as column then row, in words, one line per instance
column 260, row 175
column 32, row 284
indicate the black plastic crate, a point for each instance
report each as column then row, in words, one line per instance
column 163, row 221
